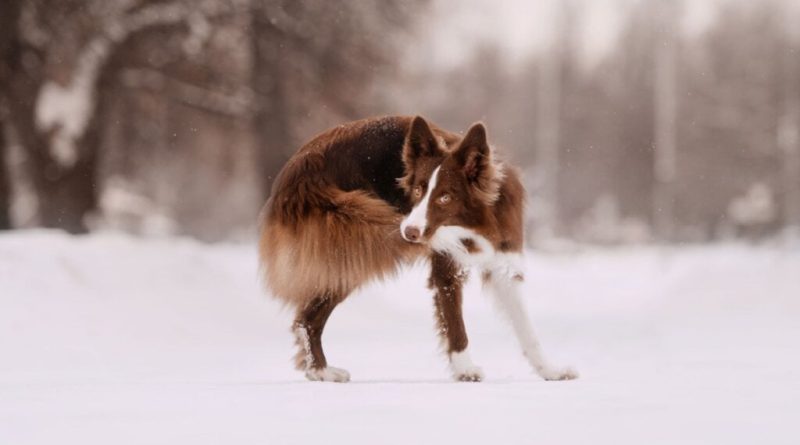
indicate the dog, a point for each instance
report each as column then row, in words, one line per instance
column 360, row 200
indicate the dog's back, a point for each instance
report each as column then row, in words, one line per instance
column 332, row 221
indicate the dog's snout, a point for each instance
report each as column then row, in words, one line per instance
column 412, row 233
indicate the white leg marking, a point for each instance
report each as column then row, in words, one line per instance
column 505, row 291
column 463, row 368
column 328, row 374
column 506, row 274
column 419, row 214
column 302, row 336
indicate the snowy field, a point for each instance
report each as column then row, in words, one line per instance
column 115, row 340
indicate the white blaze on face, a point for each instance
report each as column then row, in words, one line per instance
column 419, row 215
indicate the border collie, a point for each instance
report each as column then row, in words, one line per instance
column 361, row 199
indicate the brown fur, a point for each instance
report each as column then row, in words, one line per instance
column 470, row 245
column 334, row 251
column 332, row 221
column 320, row 239
column 475, row 191
column 312, row 318
column 487, row 196
column 447, row 280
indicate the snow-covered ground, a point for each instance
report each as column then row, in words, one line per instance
column 109, row 339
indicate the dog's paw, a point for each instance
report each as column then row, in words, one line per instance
column 328, row 374
column 471, row 374
column 550, row 373
column 463, row 369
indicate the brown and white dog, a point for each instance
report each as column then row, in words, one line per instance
column 361, row 199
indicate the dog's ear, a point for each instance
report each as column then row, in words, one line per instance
column 420, row 142
column 474, row 155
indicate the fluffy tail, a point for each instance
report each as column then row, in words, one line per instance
column 319, row 240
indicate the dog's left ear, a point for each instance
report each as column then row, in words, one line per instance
column 474, row 154
column 475, row 158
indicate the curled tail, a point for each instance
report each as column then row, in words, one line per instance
column 317, row 239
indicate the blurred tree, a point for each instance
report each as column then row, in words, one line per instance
column 556, row 66
column 180, row 132
column 5, row 186
column 9, row 15
column 622, row 138
column 314, row 55
column 270, row 80
column 60, row 58
column 732, row 99
column 666, row 96
column 548, row 127
column 180, row 100
column 789, row 124
column 101, row 90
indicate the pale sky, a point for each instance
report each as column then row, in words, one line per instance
column 523, row 27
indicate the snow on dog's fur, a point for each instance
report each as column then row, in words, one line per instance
column 361, row 199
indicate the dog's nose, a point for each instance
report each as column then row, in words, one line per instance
column 412, row 233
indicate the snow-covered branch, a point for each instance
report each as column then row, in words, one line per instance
column 240, row 103
column 66, row 110
column 29, row 28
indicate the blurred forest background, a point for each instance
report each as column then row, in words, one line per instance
column 634, row 121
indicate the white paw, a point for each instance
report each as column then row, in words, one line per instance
column 550, row 373
column 471, row 374
column 329, row 374
column 463, row 368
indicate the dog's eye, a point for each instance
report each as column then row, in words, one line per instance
column 444, row 199
column 417, row 192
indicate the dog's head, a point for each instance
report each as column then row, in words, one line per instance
column 447, row 187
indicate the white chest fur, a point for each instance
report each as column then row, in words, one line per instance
column 470, row 249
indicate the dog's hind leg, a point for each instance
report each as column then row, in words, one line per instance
column 504, row 287
column 447, row 280
column 308, row 326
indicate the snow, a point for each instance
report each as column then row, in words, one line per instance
column 113, row 339
column 65, row 110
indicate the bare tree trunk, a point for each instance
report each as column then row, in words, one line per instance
column 63, row 148
column 549, row 130
column 272, row 115
column 5, row 186
column 791, row 173
column 67, row 195
column 8, row 59
column 789, row 132
column 665, row 122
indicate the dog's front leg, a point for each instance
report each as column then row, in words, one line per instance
column 504, row 286
column 446, row 281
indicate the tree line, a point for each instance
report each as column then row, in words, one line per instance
column 670, row 135
column 93, row 93
column 175, row 115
